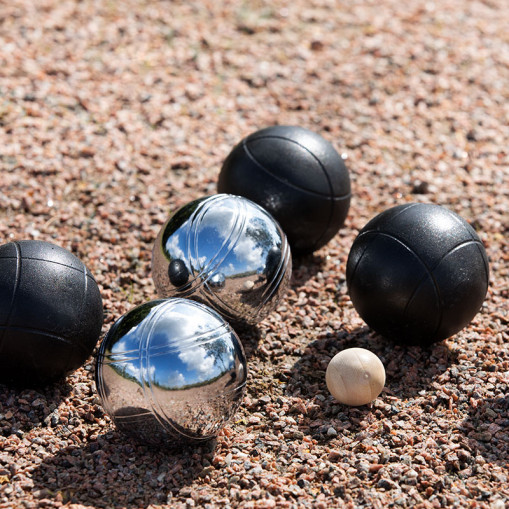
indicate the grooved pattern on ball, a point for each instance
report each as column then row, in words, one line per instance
column 50, row 312
column 233, row 211
column 417, row 273
column 297, row 176
column 11, row 272
column 380, row 281
column 314, row 183
column 167, row 363
column 258, row 149
column 236, row 257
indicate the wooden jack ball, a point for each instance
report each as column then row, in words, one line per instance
column 355, row 376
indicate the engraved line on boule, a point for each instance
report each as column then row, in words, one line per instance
column 159, row 411
column 192, row 242
column 280, row 274
column 190, row 237
column 46, row 261
column 111, row 359
column 148, row 391
column 51, row 335
column 209, row 335
column 100, row 383
column 284, row 181
column 228, row 245
column 213, row 299
column 156, row 409
column 473, row 234
column 85, row 291
column 186, row 346
column 14, row 291
column 427, row 269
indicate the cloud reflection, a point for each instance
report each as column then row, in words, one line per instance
column 187, row 347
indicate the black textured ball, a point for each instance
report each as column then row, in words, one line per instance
column 178, row 273
column 297, row 176
column 50, row 313
column 417, row 273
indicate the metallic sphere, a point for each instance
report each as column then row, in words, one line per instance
column 171, row 371
column 226, row 252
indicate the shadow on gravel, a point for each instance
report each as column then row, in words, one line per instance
column 24, row 409
column 305, row 267
column 114, row 471
column 487, row 430
column 249, row 336
column 409, row 370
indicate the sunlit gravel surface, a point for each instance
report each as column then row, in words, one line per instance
column 115, row 113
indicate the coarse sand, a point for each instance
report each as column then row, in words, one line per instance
column 115, row 113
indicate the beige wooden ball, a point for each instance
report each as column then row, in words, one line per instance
column 355, row 376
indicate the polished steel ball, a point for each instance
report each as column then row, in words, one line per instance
column 171, row 371
column 226, row 252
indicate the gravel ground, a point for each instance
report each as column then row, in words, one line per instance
column 113, row 114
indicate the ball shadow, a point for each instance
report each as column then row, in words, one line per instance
column 305, row 267
column 249, row 336
column 409, row 370
column 486, row 429
column 27, row 408
column 115, row 471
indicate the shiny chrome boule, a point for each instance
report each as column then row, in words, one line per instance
column 217, row 281
column 226, row 252
column 171, row 371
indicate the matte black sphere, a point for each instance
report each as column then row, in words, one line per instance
column 417, row 273
column 50, row 313
column 297, row 176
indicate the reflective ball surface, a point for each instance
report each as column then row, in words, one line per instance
column 171, row 371
column 417, row 273
column 226, row 252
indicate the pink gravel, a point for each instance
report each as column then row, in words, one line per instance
column 114, row 114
